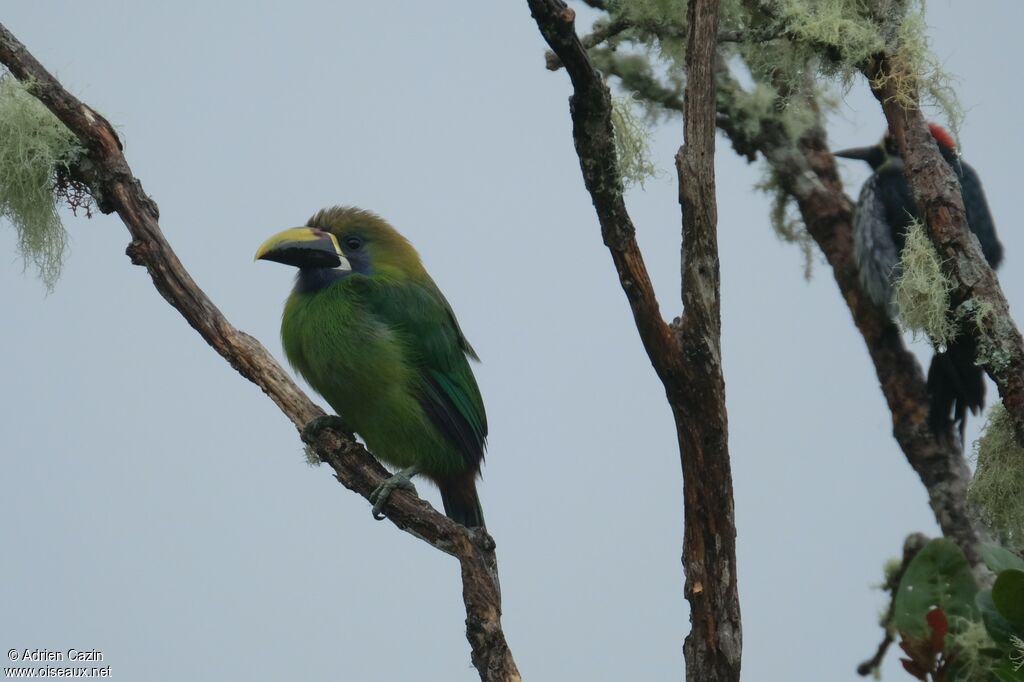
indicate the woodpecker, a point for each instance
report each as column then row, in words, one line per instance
column 885, row 211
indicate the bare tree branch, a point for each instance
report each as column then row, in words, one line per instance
column 109, row 177
column 937, row 193
column 715, row 643
column 687, row 355
column 598, row 36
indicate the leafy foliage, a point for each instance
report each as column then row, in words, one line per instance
column 34, row 148
column 952, row 630
column 939, row 576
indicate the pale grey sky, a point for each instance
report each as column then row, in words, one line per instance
column 156, row 506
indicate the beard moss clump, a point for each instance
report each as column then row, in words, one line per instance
column 632, row 143
column 922, row 289
column 34, row 146
column 995, row 491
column 917, row 75
column 787, row 223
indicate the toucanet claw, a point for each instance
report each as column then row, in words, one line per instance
column 380, row 495
column 324, row 421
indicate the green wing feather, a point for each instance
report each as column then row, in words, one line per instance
column 438, row 350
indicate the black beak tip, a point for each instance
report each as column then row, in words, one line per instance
column 859, row 153
column 302, row 256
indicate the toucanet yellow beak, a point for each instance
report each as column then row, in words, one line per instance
column 304, row 247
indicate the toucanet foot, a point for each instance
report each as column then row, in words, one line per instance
column 380, row 495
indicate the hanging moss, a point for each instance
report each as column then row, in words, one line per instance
column 785, row 221
column 922, row 289
column 632, row 143
column 917, row 72
column 995, row 491
column 34, row 145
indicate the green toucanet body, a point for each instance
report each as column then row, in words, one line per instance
column 372, row 333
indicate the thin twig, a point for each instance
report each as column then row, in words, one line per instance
column 914, row 543
column 116, row 189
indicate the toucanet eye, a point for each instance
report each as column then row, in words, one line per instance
column 353, row 243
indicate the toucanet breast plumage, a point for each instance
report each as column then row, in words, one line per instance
column 371, row 332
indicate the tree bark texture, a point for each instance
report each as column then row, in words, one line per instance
column 106, row 172
column 687, row 354
column 709, row 547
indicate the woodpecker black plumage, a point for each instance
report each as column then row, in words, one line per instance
column 885, row 211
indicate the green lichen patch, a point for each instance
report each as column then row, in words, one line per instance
column 34, row 147
column 991, row 353
column 309, row 454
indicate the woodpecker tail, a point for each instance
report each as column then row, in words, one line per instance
column 955, row 385
column 461, row 504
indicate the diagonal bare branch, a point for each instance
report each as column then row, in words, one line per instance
column 107, row 173
column 590, row 107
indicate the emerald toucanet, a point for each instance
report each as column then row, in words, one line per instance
column 368, row 329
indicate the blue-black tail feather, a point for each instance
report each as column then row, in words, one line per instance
column 955, row 385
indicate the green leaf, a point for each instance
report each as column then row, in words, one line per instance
column 999, row 629
column 998, row 559
column 938, row 576
column 1008, row 597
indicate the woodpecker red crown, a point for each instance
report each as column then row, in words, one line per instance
column 942, row 136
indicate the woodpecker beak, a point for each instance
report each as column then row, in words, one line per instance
column 862, row 153
column 304, row 247
column 868, row 154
